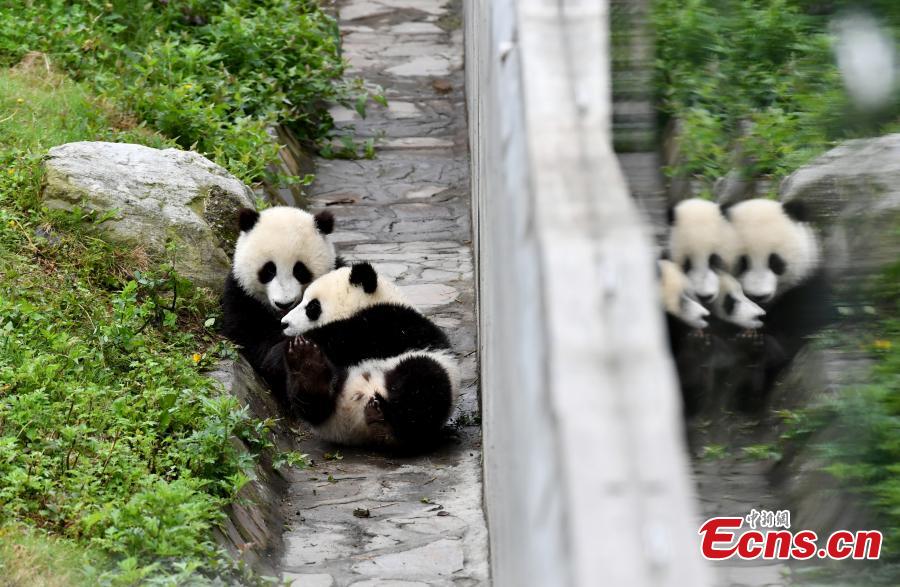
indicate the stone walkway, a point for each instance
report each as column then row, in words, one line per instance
column 367, row 518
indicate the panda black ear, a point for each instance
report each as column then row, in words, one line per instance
column 324, row 222
column 670, row 215
column 796, row 211
column 724, row 209
column 363, row 275
column 247, row 219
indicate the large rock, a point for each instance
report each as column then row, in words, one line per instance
column 157, row 195
column 853, row 192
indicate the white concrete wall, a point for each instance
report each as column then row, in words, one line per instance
column 586, row 478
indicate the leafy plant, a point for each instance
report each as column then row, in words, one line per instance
column 862, row 446
column 112, row 439
column 754, row 85
column 212, row 75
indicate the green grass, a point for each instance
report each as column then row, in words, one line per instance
column 111, row 436
column 31, row 557
column 41, row 109
column 210, row 74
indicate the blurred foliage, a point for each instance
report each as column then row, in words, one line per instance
column 211, row 74
column 754, row 84
column 857, row 431
column 111, row 436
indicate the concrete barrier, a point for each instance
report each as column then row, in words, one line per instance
column 586, row 476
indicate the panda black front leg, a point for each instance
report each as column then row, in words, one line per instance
column 310, row 379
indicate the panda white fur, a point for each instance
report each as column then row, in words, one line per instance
column 677, row 296
column 279, row 251
column 365, row 366
column 701, row 242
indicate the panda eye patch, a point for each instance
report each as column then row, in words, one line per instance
column 301, row 273
column 688, row 265
column 313, row 310
column 267, row 273
column 743, row 264
column 728, row 304
column 777, row 264
column 716, row 262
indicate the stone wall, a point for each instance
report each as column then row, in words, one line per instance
column 585, row 470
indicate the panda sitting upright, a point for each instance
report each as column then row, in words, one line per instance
column 780, row 269
column 278, row 253
column 704, row 351
column 368, row 368
column 780, row 266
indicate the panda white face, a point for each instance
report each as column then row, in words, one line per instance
column 677, row 296
column 733, row 306
column 340, row 294
column 279, row 252
column 701, row 242
column 778, row 249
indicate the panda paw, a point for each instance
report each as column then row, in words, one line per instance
column 699, row 338
column 751, row 338
column 303, row 354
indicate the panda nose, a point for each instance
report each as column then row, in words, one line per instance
column 284, row 305
column 284, row 325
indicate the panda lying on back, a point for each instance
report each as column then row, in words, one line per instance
column 368, row 368
column 279, row 252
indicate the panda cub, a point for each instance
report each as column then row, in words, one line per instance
column 677, row 296
column 780, row 269
column 278, row 253
column 685, row 319
column 704, row 351
column 703, row 243
column 365, row 366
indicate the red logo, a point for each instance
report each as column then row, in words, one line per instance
column 721, row 540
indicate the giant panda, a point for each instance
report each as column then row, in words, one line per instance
column 364, row 366
column 702, row 242
column 734, row 362
column 279, row 252
column 779, row 267
column 708, row 352
column 677, row 296
column 686, row 318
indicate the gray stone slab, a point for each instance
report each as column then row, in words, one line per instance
column 368, row 518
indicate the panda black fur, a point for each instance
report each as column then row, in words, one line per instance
column 278, row 253
column 738, row 350
column 708, row 353
column 366, row 367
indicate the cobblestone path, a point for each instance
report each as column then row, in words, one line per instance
column 370, row 519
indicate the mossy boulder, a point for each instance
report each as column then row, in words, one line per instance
column 153, row 196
